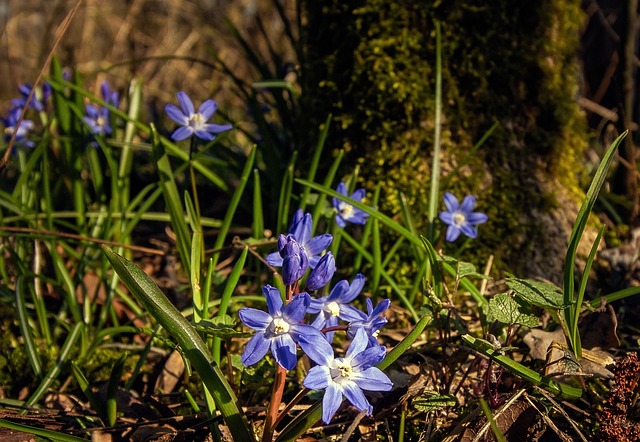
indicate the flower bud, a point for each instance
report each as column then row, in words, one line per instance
column 322, row 274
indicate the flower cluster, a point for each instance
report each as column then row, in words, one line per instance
column 282, row 328
column 12, row 123
column 99, row 118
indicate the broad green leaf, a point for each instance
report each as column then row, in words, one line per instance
column 541, row 294
column 505, row 309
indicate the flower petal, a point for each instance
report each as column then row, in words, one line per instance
column 284, row 350
column 368, row 358
column 359, row 343
column 468, row 203
column 477, row 218
column 331, row 402
column 274, row 300
column 176, row 114
column 453, row 232
column 318, row 378
column 256, row 348
column 372, row 379
column 354, row 289
column 182, row 133
column 451, row 202
column 446, row 217
column 317, row 348
column 295, row 310
column 217, row 128
column 469, row 230
column 358, row 194
column 354, row 394
column 317, row 244
column 349, row 313
column 274, row 259
column 204, row 135
column 254, row 318
column 207, row 108
column 185, row 104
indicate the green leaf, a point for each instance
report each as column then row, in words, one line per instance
column 505, row 309
column 220, row 327
column 432, row 401
column 193, row 347
column 541, row 294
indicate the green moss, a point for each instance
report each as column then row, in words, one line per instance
column 510, row 62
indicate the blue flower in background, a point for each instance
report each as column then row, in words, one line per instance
column 349, row 376
column 192, row 122
column 461, row 217
column 336, row 305
column 371, row 322
column 300, row 229
column 346, row 212
column 109, row 95
column 36, row 103
column 22, row 130
column 278, row 330
column 322, row 274
column 98, row 119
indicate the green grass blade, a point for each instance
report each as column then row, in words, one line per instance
column 557, row 388
column 328, row 180
column 285, row 195
column 315, row 160
column 25, row 330
column 232, row 283
column 235, row 201
column 112, row 390
column 434, row 191
column 257, row 225
column 172, row 200
column 189, row 340
column 581, row 290
column 69, row 348
column 49, row 434
column 85, row 386
column 576, row 234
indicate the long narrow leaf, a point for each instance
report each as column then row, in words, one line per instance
column 189, row 340
column 576, row 234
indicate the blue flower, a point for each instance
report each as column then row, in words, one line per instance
column 98, row 119
column 109, row 95
column 22, row 130
column 322, row 274
column 371, row 322
column 346, row 212
column 294, row 259
column 349, row 376
column 300, row 229
column 278, row 330
column 461, row 217
column 194, row 123
column 36, row 103
column 336, row 305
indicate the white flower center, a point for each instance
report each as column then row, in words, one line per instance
column 341, row 372
column 196, row 121
column 346, row 210
column 333, row 308
column 459, row 218
column 280, row 326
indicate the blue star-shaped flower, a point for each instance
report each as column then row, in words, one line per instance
column 346, row 212
column 36, row 103
column 371, row 322
column 300, row 229
column 192, row 122
column 98, row 119
column 336, row 305
column 461, row 217
column 278, row 330
column 22, row 130
column 349, row 376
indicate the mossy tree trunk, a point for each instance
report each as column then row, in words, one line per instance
column 371, row 64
